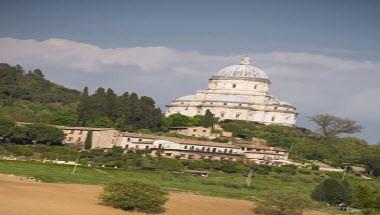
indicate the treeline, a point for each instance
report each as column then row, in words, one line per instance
column 18, row 84
column 29, row 133
column 27, row 96
column 305, row 144
column 125, row 112
column 178, row 120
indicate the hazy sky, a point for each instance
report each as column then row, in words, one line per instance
column 322, row 56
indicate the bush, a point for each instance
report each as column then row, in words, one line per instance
column 282, row 203
column 232, row 184
column 314, row 167
column 261, row 169
column 365, row 196
column 134, row 195
column 304, row 171
column 332, row 191
column 196, row 164
column 286, row 169
column 337, row 175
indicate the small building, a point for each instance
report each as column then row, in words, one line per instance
column 137, row 141
column 262, row 154
column 195, row 132
column 101, row 137
column 194, row 149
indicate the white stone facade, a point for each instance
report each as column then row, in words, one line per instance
column 237, row 92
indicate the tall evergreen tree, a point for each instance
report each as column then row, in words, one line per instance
column 82, row 108
column 112, row 105
column 208, row 120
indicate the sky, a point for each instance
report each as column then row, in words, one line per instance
column 323, row 56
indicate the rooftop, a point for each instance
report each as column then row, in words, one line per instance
column 243, row 69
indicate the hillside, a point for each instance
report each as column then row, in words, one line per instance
column 28, row 96
column 17, row 84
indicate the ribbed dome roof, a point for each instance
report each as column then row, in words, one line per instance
column 244, row 69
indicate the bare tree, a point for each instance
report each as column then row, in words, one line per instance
column 329, row 125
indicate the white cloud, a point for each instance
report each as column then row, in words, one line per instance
column 315, row 83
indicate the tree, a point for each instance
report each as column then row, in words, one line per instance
column 6, row 126
column 332, row 191
column 177, row 119
column 112, row 105
column 88, row 143
column 134, row 195
column 209, row 120
column 329, row 125
column 364, row 197
column 82, row 108
column 282, row 203
column 39, row 133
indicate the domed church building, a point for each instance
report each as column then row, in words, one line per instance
column 237, row 92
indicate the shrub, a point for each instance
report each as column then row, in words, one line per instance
column 169, row 164
column 134, row 195
column 365, row 196
column 282, row 203
column 261, row 169
column 337, row 175
column 286, row 169
column 196, row 164
column 232, row 184
column 304, row 171
column 332, row 191
column 209, row 182
column 314, row 167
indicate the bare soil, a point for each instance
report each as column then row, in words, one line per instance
column 20, row 196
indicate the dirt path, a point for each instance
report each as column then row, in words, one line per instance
column 19, row 196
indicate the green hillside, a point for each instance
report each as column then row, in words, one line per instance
column 28, row 96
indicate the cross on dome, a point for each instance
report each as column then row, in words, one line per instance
column 245, row 61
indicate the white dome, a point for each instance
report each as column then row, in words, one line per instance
column 244, row 69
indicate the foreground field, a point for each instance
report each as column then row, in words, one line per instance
column 218, row 184
column 25, row 197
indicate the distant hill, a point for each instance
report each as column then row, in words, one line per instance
column 17, row 84
column 27, row 96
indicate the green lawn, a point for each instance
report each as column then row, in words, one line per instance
column 218, row 184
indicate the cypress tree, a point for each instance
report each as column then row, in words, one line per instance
column 88, row 143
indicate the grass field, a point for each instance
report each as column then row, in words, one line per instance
column 219, row 184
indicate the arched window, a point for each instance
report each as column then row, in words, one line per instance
column 233, row 85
